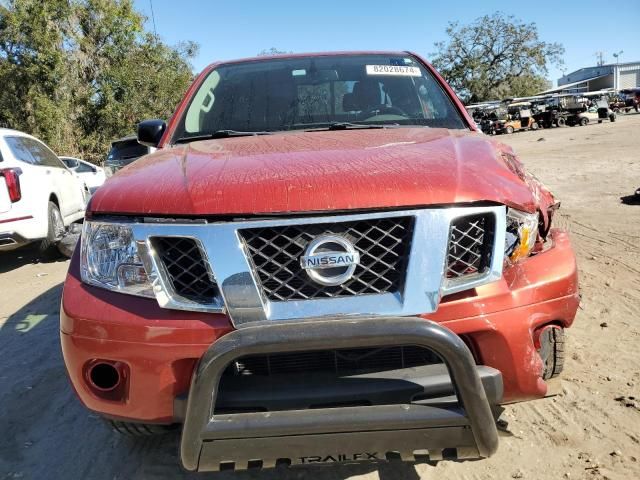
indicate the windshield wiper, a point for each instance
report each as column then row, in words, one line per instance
column 220, row 134
column 348, row 126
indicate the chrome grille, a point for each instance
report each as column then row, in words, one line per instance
column 342, row 361
column 470, row 245
column 383, row 245
column 186, row 268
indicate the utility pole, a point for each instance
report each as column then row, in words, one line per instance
column 153, row 19
column 616, row 74
column 617, row 56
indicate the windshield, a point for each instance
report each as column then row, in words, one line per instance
column 308, row 92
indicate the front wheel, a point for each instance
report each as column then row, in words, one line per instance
column 131, row 429
column 534, row 126
column 55, row 229
column 561, row 122
column 509, row 129
column 584, row 121
column 553, row 353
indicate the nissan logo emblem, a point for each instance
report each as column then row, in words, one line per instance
column 330, row 260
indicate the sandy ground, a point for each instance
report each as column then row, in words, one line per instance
column 591, row 430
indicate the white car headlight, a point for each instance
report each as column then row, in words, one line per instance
column 109, row 259
column 522, row 233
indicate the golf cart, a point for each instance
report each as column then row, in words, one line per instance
column 595, row 110
column 518, row 117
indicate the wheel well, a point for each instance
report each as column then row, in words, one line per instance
column 54, row 199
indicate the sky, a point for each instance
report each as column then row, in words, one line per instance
column 236, row 29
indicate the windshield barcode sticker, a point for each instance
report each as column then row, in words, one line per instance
column 393, row 70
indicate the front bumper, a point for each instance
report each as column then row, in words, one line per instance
column 210, row 440
column 161, row 347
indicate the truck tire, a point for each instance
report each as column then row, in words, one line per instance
column 55, row 229
column 561, row 122
column 584, row 121
column 131, row 429
column 554, row 363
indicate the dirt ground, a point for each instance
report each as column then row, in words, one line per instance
column 591, row 430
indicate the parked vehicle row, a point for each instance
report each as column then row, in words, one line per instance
column 532, row 113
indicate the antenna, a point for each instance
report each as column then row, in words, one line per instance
column 599, row 56
column 153, row 19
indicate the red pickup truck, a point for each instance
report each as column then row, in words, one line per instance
column 324, row 261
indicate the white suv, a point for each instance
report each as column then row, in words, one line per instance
column 39, row 195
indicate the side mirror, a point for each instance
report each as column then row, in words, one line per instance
column 150, row 132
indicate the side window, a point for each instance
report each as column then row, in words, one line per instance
column 20, row 150
column 42, row 155
column 202, row 103
column 84, row 168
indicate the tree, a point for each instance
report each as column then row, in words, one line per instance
column 79, row 73
column 496, row 56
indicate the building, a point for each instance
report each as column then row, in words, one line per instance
column 617, row 76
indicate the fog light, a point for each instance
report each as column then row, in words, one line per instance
column 104, row 376
column 107, row 379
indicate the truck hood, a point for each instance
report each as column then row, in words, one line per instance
column 318, row 171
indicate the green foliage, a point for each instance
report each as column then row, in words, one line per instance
column 495, row 57
column 79, row 73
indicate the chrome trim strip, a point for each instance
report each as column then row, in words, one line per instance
column 242, row 300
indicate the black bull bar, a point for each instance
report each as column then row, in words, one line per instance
column 211, row 441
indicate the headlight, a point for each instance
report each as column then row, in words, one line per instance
column 109, row 259
column 522, row 232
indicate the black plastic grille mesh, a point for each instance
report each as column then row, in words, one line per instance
column 470, row 245
column 343, row 361
column 383, row 244
column 186, row 268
